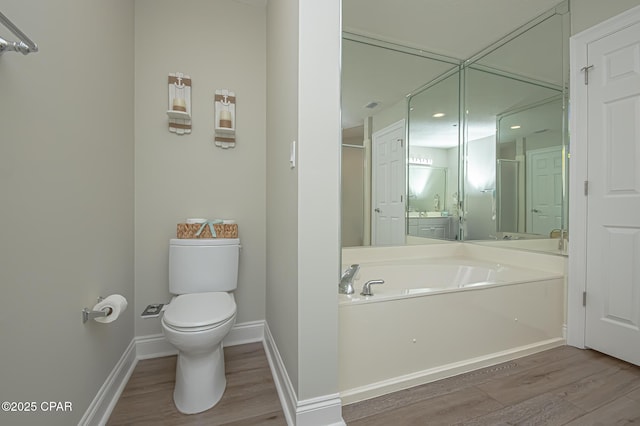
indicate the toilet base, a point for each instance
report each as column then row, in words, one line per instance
column 200, row 381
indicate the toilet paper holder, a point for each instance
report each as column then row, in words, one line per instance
column 88, row 314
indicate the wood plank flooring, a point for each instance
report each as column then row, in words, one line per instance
column 249, row 399
column 561, row 386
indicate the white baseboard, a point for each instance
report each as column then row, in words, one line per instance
column 286, row 393
column 322, row 411
column 154, row 346
column 325, row 410
column 246, row 332
column 146, row 347
column 432, row 374
column 105, row 400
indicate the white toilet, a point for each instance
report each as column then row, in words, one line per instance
column 202, row 275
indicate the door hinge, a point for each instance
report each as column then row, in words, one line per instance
column 586, row 187
column 586, row 73
column 584, row 298
column 401, row 143
column 401, row 199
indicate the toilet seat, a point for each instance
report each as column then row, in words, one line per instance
column 199, row 311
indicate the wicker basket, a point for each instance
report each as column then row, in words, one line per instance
column 189, row 230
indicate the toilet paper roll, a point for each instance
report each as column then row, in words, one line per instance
column 116, row 303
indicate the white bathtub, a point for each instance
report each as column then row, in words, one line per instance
column 407, row 278
column 439, row 316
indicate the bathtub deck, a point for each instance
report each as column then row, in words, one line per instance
column 561, row 386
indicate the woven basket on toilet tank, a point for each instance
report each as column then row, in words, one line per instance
column 189, row 230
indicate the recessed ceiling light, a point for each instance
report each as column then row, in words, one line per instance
column 438, row 115
column 372, row 104
column 517, row 126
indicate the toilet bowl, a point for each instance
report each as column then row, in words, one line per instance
column 196, row 324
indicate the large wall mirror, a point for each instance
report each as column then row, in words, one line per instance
column 483, row 151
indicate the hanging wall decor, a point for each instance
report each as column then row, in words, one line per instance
column 225, row 118
column 179, row 111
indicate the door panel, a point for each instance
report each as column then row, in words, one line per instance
column 388, row 216
column 544, row 190
column 613, row 212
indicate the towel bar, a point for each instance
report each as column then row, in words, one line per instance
column 24, row 45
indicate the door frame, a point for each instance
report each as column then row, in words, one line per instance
column 400, row 124
column 576, row 285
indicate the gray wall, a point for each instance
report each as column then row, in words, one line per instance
column 318, row 196
column 587, row 13
column 282, row 182
column 221, row 45
column 66, row 215
column 303, row 203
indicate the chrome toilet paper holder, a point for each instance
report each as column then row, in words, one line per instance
column 88, row 314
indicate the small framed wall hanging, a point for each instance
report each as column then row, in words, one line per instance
column 179, row 111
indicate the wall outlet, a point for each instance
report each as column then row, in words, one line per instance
column 152, row 311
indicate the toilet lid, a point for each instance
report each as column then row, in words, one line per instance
column 200, row 309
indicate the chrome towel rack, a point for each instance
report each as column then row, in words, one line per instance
column 24, row 43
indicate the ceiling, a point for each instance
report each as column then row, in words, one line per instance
column 455, row 28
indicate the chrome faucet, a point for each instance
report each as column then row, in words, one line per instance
column 563, row 236
column 346, row 281
column 366, row 288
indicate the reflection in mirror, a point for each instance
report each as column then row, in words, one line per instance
column 537, row 53
column 427, row 208
column 514, row 138
column 353, row 188
column 529, row 180
column 377, row 76
column 501, row 182
column 433, row 159
column 490, row 99
column 427, row 189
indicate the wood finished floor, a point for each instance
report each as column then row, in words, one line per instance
column 249, row 399
column 561, row 386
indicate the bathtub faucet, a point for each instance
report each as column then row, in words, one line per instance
column 346, row 281
column 366, row 288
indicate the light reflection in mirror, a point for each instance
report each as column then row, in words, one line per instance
column 486, row 161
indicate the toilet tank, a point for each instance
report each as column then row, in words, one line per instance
column 203, row 265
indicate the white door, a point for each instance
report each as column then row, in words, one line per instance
column 388, row 176
column 613, row 203
column 544, row 190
